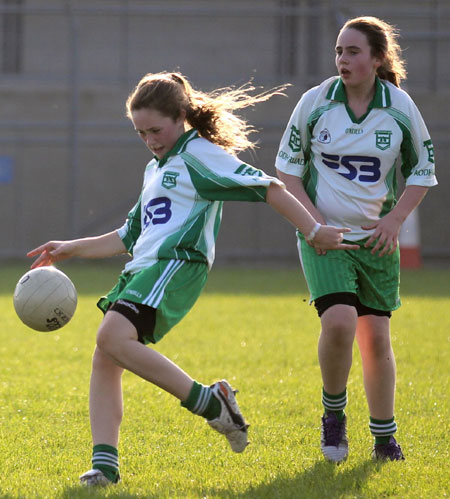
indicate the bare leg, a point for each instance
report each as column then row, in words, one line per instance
column 117, row 338
column 118, row 348
column 378, row 362
column 105, row 400
column 335, row 346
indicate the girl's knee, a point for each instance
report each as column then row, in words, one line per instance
column 113, row 332
column 102, row 339
column 101, row 360
column 339, row 325
column 380, row 345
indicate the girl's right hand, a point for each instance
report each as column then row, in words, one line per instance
column 51, row 252
column 329, row 238
column 321, row 220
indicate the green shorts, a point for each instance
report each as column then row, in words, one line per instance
column 374, row 279
column 169, row 286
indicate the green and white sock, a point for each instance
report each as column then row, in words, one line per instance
column 335, row 403
column 382, row 429
column 202, row 402
column 106, row 459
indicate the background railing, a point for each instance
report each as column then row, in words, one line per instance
column 69, row 162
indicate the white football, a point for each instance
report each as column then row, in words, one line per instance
column 45, row 299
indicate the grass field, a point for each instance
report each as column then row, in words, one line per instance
column 255, row 328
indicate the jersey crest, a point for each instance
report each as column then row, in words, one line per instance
column 430, row 149
column 169, row 180
column 295, row 140
column 383, row 139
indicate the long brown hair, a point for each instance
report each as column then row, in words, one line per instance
column 383, row 40
column 212, row 114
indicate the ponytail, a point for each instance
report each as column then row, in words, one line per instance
column 211, row 114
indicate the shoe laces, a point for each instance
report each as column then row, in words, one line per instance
column 392, row 449
column 333, row 429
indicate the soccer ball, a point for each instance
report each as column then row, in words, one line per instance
column 45, row 299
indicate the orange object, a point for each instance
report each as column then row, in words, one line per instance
column 409, row 239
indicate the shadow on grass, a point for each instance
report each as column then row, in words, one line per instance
column 324, row 479
column 83, row 492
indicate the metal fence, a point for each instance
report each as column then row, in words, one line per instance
column 79, row 58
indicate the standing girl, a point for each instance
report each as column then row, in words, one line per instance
column 338, row 157
column 170, row 234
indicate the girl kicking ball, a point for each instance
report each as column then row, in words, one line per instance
column 170, row 233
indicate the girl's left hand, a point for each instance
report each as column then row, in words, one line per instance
column 386, row 233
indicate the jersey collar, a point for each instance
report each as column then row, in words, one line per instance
column 382, row 97
column 179, row 146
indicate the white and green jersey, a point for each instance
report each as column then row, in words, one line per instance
column 178, row 214
column 348, row 165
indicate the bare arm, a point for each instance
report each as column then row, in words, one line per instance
column 89, row 247
column 295, row 186
column 289, row 207
column 387, row 229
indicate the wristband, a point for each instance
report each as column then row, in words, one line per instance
column 313, row 233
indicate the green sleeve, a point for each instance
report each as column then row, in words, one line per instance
column 131, row 230
column 242, row 183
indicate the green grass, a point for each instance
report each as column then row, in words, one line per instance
column 255, row 328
